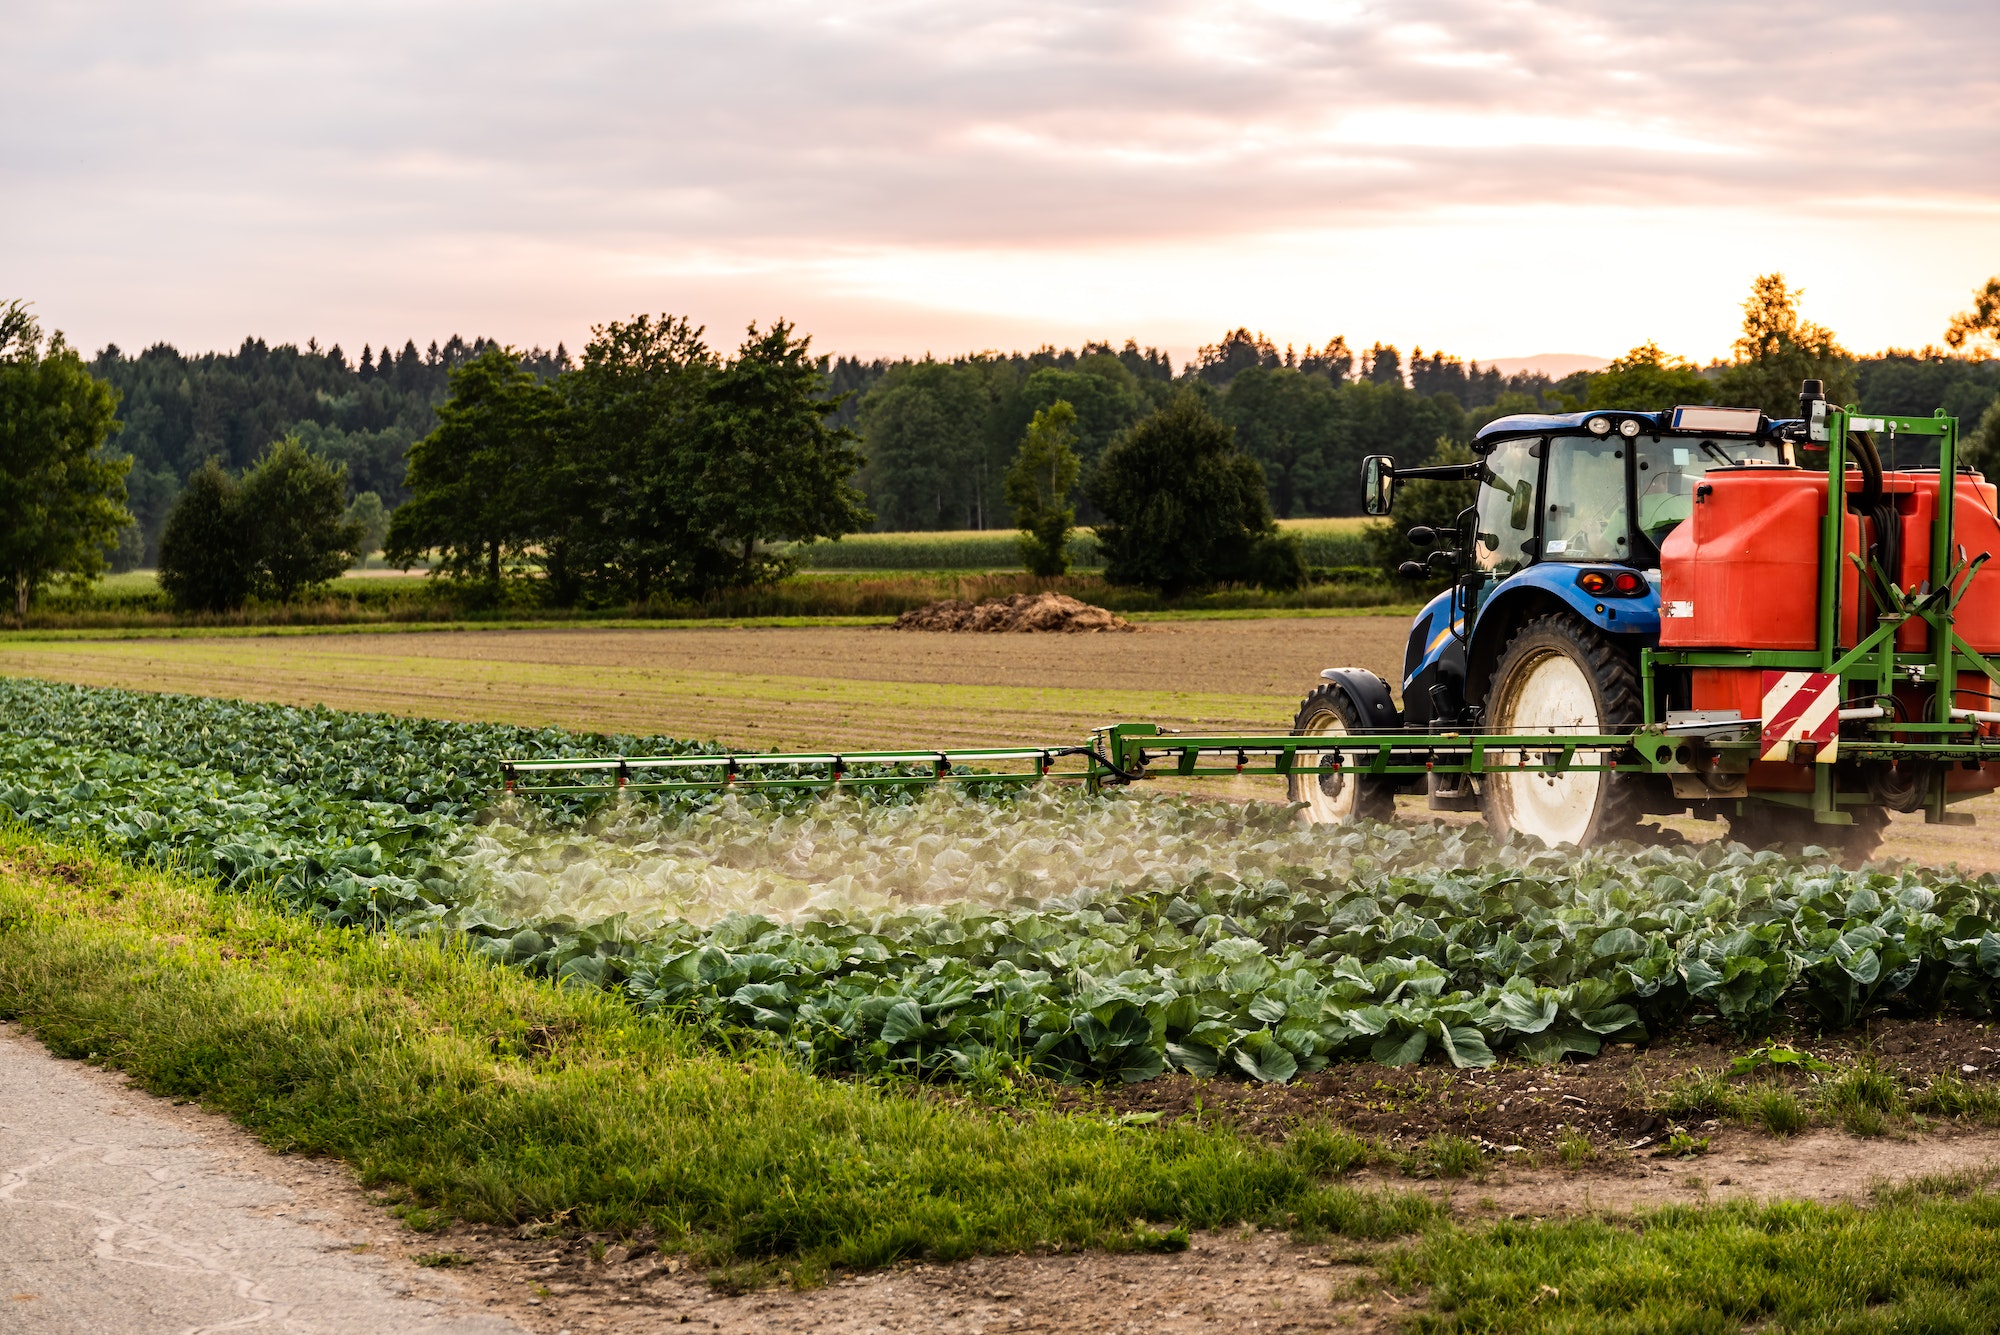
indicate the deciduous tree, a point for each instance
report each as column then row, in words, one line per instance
column 1039, row 486
column 62, row 498
column 1650, row 380
column 208, row 555
column 475, row 479
column 1778, row 351
column 1979, row 328
column 1184, row 507
column 766, row 465
column 295, row 505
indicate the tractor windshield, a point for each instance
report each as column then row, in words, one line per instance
column 1670, row 469
column 1583, row 517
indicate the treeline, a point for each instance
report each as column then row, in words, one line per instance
column 177, row 412
column 939, row 435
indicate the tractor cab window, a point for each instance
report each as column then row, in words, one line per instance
column 1670, row 469
column 1583, row 513
column 1507, row 507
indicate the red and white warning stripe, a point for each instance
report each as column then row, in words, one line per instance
column 1801, row 707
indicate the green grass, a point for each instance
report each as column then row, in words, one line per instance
column 1326, row 542
column 1920, row 1260
column 483, row 1094
column 818, row 597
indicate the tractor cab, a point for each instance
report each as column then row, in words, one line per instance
column 1569, row 516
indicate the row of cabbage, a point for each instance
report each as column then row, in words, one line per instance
column 1433, row 943
column 1083, row 936
column 348, row 816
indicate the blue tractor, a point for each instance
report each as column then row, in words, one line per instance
column 1556, row 592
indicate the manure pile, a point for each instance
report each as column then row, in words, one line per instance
column 1027, row 612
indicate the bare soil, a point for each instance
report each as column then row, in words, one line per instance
column 1613, row 1099
column 1023, row 613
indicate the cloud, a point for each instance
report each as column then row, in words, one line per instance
column 245, row 155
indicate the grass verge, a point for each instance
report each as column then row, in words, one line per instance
column 486, row 1095
column 1919, row 1259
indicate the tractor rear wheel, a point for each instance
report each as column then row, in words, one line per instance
column 1335, row 799
column 1559, row 676
column 1768, row 825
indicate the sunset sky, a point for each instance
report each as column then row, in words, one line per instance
column 1489, row 177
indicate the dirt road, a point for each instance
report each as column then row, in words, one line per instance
column 123, row 1213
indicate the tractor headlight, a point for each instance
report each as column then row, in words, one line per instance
column 1598, row 426
column 1629, row 427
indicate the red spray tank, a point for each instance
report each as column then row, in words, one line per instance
column 1743, row 573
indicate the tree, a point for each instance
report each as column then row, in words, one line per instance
column 472, row 492
column 367, row 513
column 207, row 556
column 925, row 432
column 1981, row 448
column 1778, row 351
column 766, row 465
column 1980, row 326
column 1185, row 507
column 1039, row 486
column 618, row 508
column 62, row 498
column 1649, row 380
column 296, row 507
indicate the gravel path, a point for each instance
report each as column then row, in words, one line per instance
column 118, row 1214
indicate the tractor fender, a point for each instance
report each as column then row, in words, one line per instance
column 1543, row 589
column 1368, row 693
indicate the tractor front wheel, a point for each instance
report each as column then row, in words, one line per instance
column 1335, row 799
column 1560, row 677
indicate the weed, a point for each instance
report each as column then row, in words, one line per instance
column 1950, row 1096
column 1863, row 1098
column 1778, row 1110
column 1574, row 1148
column 1445, row 1155
column 1159, row 1240
column 1773, row 1055
column 1684, row 1145
column 1324, row 1150
column 1700, row 1093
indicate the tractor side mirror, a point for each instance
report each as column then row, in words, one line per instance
column 1421, row 535
column 1378, row 483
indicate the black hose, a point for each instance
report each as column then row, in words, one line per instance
column 1878, row 506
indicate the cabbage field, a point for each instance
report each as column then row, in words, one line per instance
column 1083, row 937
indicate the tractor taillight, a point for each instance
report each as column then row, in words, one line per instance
column 1612, row 583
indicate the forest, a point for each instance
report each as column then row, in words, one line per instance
column 937, row 434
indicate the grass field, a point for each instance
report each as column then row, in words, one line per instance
column 1326, row 542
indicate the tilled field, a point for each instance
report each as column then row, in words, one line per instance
column 764, row 688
